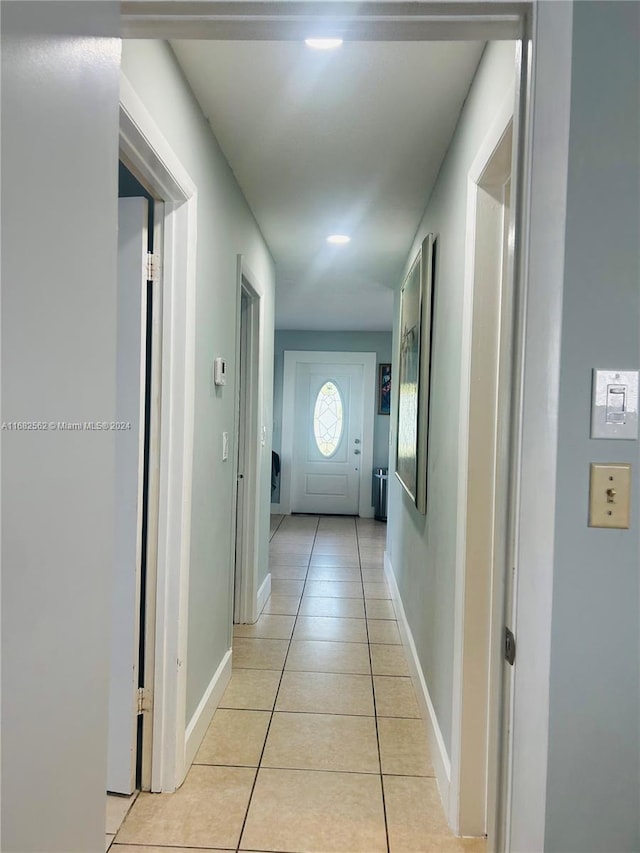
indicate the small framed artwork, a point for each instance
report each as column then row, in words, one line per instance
column 384, row 389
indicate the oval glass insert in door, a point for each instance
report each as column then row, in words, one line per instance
column 328, row 420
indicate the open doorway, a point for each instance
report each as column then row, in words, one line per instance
column 168, row 347
column 248, row 600
column 484, row 487
column 240, row 472
column 139, row 347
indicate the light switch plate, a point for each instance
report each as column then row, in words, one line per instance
column 614, row 404
column 610, row 495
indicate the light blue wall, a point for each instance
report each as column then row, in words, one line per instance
column 594, row 740
column 59, row 321
column 226, row 228
column 378, row 342
column 422, row 550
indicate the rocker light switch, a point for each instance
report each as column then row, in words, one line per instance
column 610, row 495
column 614, row 404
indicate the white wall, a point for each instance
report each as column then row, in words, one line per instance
column 422, row 550
column 226, row 228
column 59, row 218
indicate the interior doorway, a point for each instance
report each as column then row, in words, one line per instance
column 483, row 557
column 137, row 464
column 149, row 157
column 249, row 441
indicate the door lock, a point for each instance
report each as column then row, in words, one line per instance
column 356, row 441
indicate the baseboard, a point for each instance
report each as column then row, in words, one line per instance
column 199, row 723
column 264, row 592
column 439, row 754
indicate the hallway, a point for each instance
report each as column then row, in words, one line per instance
column 317, row 744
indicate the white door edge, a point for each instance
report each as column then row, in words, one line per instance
column 146, row 151
column 368, row 361
column 122, row 751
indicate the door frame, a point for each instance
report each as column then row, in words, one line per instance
column 244, row 577
column 545, row 31
column 291, row 359
column 481, row 551
column 124, row 754
column 145, row 150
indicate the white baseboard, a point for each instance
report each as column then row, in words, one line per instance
column 199, row 723
column 439, row 755
column 264, row 592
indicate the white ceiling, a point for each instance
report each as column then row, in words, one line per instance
column 347, row 141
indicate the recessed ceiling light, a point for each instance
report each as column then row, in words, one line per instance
column 338, row 239
column 323, row 44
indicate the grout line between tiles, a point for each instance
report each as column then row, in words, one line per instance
column 375, row 708
column 275, row 699
column 273, row 711
column 282, row 518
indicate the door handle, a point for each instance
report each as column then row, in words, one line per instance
column 357, row 452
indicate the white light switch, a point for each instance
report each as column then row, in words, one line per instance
column 614, row 404
column 225, row 446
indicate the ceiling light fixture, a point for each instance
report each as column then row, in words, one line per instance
column 323, row 44
column 338, row 239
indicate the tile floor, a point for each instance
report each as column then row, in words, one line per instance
column 317, row 746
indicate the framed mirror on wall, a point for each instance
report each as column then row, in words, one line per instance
column 414, row 371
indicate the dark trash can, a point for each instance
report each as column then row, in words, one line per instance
column 380, row 493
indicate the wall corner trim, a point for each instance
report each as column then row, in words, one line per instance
column 199, row 723
column 441, row 760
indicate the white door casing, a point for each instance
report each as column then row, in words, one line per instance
column 250, row 437
column 145, row 150
column 364, row 460
column 482, row 492
column 129, row 444
column 328, row 480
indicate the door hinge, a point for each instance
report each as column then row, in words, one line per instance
column 144, row 700
column 509, row 646
column 153, row 267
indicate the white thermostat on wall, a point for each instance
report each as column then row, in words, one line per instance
column 219, row 371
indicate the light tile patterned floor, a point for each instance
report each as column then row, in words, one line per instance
column 318, row 745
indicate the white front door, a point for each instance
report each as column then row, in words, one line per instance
column 333, row 473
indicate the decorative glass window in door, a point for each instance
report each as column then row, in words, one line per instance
column 327, row 419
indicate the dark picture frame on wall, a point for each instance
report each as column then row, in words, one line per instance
column 414, row 368
column 384, row 389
